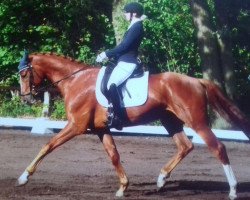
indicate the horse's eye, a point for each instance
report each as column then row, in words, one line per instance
column 23, row 73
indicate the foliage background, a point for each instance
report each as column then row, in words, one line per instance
column 82, row 28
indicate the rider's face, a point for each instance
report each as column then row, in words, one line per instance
column 127, row 16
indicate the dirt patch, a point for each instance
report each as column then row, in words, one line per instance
column 80, row 169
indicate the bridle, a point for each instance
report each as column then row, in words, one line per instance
column 32, row 86
column 31, row 80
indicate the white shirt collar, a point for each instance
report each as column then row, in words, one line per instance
column 134, row 20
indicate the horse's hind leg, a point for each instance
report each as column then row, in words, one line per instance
column 66, row 134
column 175, row 128
column 219, row 150
column 110, row 148
column 184, row 146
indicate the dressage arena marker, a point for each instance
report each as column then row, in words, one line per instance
column 43, row 125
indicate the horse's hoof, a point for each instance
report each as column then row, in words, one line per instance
column 23, row 179
column 119, row 193
column 162, row 179
column 232, row 196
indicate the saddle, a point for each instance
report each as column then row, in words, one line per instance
column 134, row 91
column 138, row 72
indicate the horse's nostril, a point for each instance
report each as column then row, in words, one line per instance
column 28, row 100
column 24, row 100
column 32, row 101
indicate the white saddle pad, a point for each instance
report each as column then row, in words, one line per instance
column 135, row 94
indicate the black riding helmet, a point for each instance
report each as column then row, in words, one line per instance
column 134, row 7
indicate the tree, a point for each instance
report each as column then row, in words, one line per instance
column 117, row 19
column 222, row 10
column 169, row 43
column 77, row 28
column 207, row 41
column 211, row 55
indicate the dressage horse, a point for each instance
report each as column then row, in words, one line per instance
column 174, row 99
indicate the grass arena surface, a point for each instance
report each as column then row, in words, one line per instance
column 81, row 169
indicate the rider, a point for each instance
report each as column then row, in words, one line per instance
column 126, row 53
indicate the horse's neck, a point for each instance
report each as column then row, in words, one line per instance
column 61, row 71
column 58, row 70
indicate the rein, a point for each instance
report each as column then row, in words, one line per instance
column 56, row 82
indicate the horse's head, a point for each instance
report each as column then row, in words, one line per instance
column 35, row 68
column 28, row 79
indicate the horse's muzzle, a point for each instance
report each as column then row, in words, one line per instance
column 28, row 99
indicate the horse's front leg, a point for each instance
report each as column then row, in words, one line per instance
column 63, row 136
column 111, row 149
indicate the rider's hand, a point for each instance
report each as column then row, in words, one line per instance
column 101, row 57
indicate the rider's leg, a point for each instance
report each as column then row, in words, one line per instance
column 116, row 101
column 120, row 74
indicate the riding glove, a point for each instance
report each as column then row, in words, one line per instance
column 101, row 57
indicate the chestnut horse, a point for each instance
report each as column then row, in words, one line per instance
column 174, row 99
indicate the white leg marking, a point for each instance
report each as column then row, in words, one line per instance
column 162, row 179
column 23, row 179
column 119, row 193
column 231, row 180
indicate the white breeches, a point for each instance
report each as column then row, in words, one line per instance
column 121, row 73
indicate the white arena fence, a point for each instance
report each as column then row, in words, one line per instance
column 43, row 125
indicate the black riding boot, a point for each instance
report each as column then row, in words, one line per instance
column 116, row 118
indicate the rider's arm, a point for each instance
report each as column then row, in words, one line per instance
column 134, row 34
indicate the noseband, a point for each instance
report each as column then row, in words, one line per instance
column 31, row 81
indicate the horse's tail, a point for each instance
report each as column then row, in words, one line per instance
column 225, row 107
